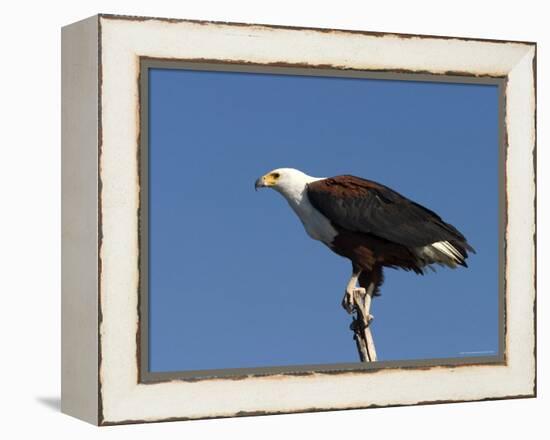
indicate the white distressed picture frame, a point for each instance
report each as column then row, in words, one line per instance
column 101, row 201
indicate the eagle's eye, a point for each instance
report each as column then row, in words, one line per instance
column 275, row 175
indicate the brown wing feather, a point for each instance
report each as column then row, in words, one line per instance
column 364, row 206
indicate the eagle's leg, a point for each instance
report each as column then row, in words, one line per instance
column 371, row 281
column 348, row 301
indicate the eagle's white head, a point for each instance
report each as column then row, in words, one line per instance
column 287, row 181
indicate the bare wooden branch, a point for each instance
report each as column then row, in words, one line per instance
column 360, row 325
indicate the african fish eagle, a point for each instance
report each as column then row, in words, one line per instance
column 369, row 223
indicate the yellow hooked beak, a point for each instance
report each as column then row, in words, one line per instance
column 267, row 180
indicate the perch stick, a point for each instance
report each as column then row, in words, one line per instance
column 360, row 325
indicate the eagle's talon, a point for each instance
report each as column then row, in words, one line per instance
column 347, row 302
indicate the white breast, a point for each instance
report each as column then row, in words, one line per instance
column 292, row 185
column 316, row 224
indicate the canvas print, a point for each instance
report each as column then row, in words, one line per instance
column 252, row 225
column 298, row 221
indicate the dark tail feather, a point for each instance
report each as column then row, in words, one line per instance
column 463, row 248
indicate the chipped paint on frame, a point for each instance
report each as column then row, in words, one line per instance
column 122, row 398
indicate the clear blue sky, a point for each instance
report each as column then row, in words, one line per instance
column 235, row 281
